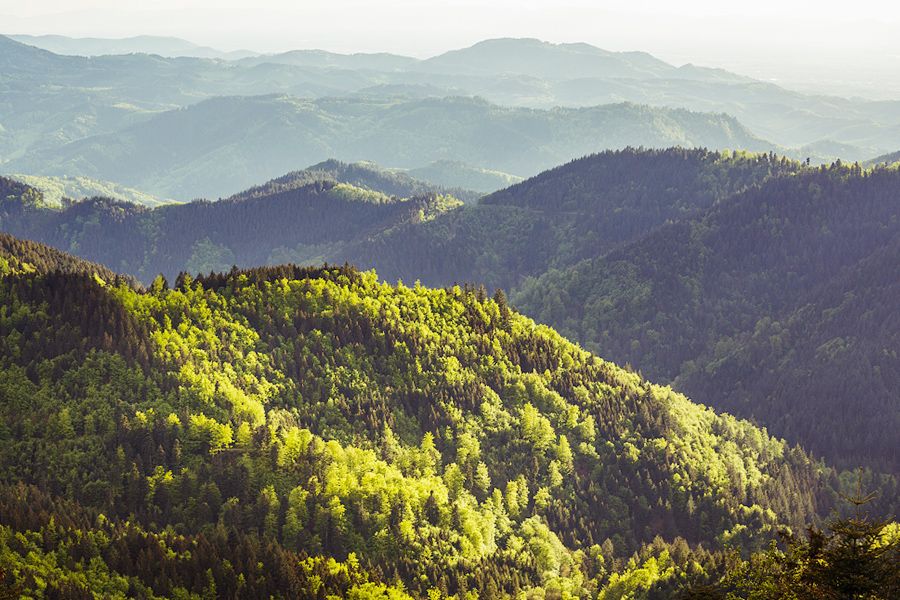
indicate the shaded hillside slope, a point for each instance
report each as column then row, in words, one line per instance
column 695, row 287
column 202, row 236
column 835, row 355
column 579, row 210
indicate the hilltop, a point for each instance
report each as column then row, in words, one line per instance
column 304, row 217
column 55, row 191
column 250, row 433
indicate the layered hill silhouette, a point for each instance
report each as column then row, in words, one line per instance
column 302, row 216
column 95, row 116
column 453, row 173
column 582, row 209
column 365, row 175
column 682, row 263
column 291, row 431
column 57, row 191
column 168, row 46
column 222, row 145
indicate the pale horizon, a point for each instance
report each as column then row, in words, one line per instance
column 769, row 40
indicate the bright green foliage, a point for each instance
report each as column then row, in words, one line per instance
column 638, row 578
column 413, row 439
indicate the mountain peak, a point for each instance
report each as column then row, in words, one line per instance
column 555, row 61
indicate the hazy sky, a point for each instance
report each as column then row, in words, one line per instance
column 765, row 38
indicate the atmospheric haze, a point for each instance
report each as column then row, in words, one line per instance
column 813, row 45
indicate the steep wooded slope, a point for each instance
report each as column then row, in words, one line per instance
column 241, row 432
column 680, row 300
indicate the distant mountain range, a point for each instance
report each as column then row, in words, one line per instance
column 560, row 62
column 170, row 47
column 54, row 107
column 218, row 146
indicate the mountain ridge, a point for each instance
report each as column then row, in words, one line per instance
column 515, row 473
column 187, row 153
column 109, row 94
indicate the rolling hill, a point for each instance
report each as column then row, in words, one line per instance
column 292, row 432
column 57, row 190
column 458, row 174
column 302, row 218
column 582, row 209
column 366, row 175
column 682, row 263
column 225, row 144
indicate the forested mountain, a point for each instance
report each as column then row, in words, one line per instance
column 582, row 209
column 17, row 194
column 188, row 153
column 773, row 295
column 836, row 353
column 296, row 432
column 714, row 271
column 296, row 220
column 23, row 257
column 366, row 175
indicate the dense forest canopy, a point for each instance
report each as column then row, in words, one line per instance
column 253, row 432
column 683, row 384
column 708, row 270
column 773, row 305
